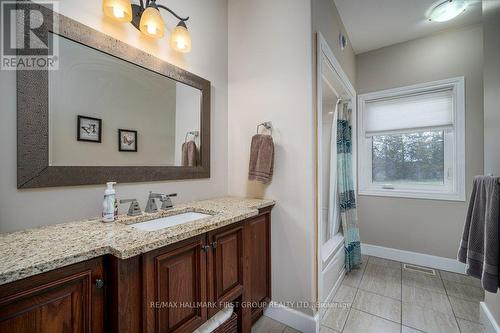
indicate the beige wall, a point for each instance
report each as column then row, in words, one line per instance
column 425, row 226
column 326, row 19
column 271, row 69
column 270, row 80
column 491, row 14
column 208, row 26
column 491, row 21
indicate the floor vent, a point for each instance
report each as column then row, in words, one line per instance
column 420, row 269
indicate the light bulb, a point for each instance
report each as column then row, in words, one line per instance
column 151, row 22
column 180, row 39
column 151, row 28
column 117, row 10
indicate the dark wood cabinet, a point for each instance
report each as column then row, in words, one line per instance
column 70, row 299
column 225, row 266
column 231, row 264
column 175, row 287
column 124, row 313
column 259, row 257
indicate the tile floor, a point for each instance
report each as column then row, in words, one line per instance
column 381, row 297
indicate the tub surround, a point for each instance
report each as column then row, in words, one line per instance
column 34, row 251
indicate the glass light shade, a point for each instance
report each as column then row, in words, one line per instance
column 118, row 10
column 151, row 23
column 447, row 10
column 180, row 39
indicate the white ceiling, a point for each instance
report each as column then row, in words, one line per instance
column 372, row 24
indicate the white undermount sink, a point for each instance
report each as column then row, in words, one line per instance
column 169, row 221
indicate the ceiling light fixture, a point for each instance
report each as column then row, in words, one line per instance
column 447, row 10
column 146, row 17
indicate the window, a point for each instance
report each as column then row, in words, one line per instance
column 412, row 141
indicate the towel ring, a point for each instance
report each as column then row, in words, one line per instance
column 267, row 125
column 195, row 134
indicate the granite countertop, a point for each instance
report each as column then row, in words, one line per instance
column 33, row 251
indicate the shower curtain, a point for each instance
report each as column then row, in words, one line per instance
column 345, row 187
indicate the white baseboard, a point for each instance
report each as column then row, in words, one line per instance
column 446, row 264
column 487, row 319
column 292, row 318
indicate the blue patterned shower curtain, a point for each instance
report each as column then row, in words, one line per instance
column 345, row 185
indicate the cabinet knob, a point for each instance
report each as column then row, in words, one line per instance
column 205, row 248
column 214, row 245
column 99, row 283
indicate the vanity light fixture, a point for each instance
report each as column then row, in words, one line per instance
column 146, row 17
column 447, row 10
column 151, row 23
column 118, row 10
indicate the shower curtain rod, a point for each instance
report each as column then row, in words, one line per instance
column 340, row 99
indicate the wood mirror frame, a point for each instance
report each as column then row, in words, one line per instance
column 33, row 169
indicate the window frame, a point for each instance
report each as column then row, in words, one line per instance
column 454, row 150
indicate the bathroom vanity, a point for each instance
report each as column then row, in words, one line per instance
column 89, row 276
column 112, row 112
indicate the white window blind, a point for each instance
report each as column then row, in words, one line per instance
column 425, row 110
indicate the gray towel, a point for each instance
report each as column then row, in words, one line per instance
column 479, row 248
column 189, row 154
column 261, row 158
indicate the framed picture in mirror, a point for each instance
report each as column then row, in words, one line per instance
column 89, row 129
column 127, row 140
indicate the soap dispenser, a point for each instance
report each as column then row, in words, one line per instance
column 108, row 204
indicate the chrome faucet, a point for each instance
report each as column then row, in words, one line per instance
column 134, row 208
column 151, row 206
column 166, row 202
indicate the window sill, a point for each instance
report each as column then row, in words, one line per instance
column 412, row 194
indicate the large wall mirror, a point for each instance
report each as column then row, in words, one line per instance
column 109, row 112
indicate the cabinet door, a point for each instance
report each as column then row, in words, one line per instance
column 175, row 287
column 64, row 300
column 225, row 265
column 259, row 258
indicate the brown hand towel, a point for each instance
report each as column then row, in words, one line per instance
column 479, row 248
column 261, row 158
column 189, row 154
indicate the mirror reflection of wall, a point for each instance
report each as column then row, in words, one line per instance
column 187, row 121
column 123, row 96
